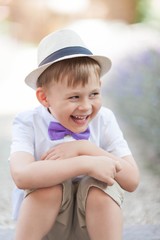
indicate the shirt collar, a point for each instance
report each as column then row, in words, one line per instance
column 47, row 116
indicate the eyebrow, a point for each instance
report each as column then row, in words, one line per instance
column 77, row 93
column 72, row 93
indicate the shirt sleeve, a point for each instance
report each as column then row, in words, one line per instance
column 113, row 140
column 22, row 134
column 22, row 140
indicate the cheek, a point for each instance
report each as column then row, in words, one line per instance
column 55, row 109
column 61, row 111
column 96, row 107
column 98, row 104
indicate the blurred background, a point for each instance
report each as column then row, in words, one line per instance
column 128, row 32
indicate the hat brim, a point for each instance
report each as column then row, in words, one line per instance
column 104, row 62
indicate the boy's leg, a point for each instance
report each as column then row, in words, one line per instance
column 103, row 216
column 62, row 228
column 38, row 213
column 98, row 213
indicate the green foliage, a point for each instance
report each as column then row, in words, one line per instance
column 148, row 12
column 142, row 10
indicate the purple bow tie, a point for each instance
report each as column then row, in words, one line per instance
column 56, row 131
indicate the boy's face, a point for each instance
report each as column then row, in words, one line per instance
column 74, row 107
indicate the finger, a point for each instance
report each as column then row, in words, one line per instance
column 113, row 173
column 110, row 181
column 52, row 156
column 55, row 158
column 118, row 166
column 44, row 155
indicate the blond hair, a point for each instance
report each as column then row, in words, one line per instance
column 77, row 71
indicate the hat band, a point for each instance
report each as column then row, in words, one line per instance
column 65, row 52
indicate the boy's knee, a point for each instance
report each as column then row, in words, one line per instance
column 48, row 194
column 97, row 198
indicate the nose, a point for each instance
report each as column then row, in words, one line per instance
column 85, row 105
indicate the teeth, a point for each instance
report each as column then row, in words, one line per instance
column 80, row 117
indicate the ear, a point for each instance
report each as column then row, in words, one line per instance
column 41, row 96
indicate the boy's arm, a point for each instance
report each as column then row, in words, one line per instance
column 128, row 177
column 29, row 174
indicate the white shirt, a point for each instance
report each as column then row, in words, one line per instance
column 30, row 134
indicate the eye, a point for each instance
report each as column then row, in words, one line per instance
column 74, row 98
column 94, row 94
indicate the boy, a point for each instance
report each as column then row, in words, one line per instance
column 69, row 155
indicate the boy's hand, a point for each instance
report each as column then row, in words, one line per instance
column 104, row 169
column 62, row 151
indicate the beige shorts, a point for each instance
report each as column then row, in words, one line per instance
column 70, row 223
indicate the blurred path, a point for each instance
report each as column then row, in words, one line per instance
column 137, row 232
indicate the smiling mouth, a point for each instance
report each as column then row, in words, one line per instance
column 79, row 118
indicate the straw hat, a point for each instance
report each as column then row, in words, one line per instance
column 61, row 45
